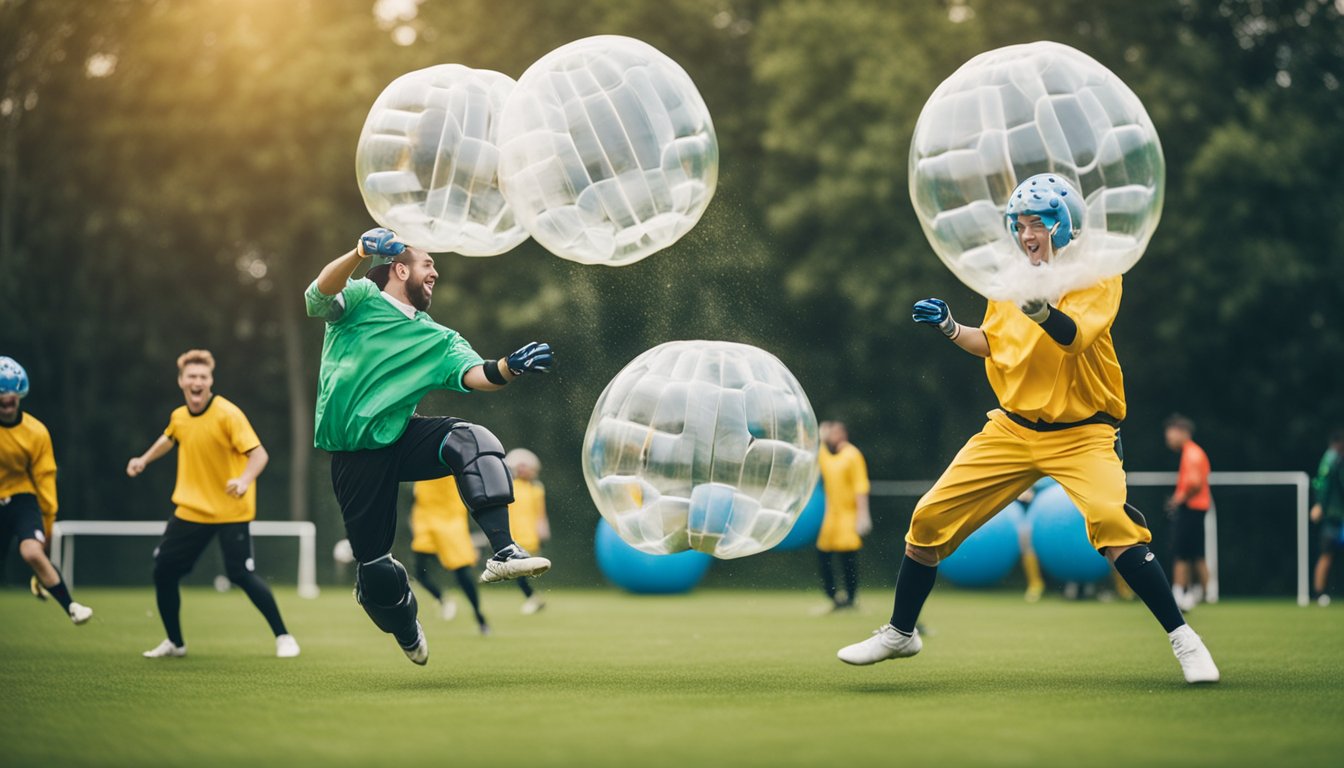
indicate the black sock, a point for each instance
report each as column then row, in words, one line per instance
column 467, row 581
column 423, row 561
column 1141, row 571
column 525, row 587
column 261, row 596
column 170, row 606
column 494, row 523
column 849, row 561
column 827, row 577
column 913, row 585
column 61, row 594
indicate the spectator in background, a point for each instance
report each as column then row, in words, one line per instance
column 528, row 523
column 1329, row 512
column 845, row 477
column 1186, row 507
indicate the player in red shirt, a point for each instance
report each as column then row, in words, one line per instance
column 1187, row 507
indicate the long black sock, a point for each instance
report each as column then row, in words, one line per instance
column 827, row 576
column 1141, row 571
column 261, row 596
column 170, row 608
column 849, row 561
column 423, row 561
column 494, row 523
column 61, row 594
column 467, row 581
column 525, row 586
column 913, row 585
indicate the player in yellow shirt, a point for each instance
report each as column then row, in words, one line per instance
column 527, row 515
column 220, row 458
column 1053, row 367
column 439, row 531
column 28, row 488
column 844, row 475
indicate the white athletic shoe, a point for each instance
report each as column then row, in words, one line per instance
column 448, row 609
column 1195, row 660
column 286, row 647
column 80, row 613
column 532, row 604
column 418, row 653
column 886, row 643
column 513, row 562
column 1323, row 600
column 165, row 650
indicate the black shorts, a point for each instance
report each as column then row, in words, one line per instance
column 21, row 518
column 1330, row 537
column 183, row 542
column 1187, row 540
column 366, row 483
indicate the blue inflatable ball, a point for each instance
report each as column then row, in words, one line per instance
column 1059, row 536
column 805, row 530
column 645, row 574
column 987, row 555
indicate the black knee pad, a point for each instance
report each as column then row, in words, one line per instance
column 384, row 590
column 476, row 458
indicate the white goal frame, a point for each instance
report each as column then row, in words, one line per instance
column 1298, row 480
column 63, row 535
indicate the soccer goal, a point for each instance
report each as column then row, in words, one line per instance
column 1297, row 481
column 64, row 533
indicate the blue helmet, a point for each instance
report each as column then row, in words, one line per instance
column 12, row 377
column 1054, row 199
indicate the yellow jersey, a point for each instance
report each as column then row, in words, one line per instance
column 212, row 449
column 439, row 523
column 845, row 477
column 28, row 465
column 526, row 512
column 1034, row 377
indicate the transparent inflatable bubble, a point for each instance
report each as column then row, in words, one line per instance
column 427, row 161
column 704, row 445
column 1015, row 112
column 608, row 151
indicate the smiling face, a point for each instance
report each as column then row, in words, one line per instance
column 419, row 275
column 9, row 408
column 195, row 380
column 1034, row 237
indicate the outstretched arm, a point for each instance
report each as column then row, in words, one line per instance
column 491, row 375
column 935, row 312
column 158, row 450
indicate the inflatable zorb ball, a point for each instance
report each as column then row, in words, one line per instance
column 427, row 161
column 1015, row 112
column 608, row 151
column 704, row 445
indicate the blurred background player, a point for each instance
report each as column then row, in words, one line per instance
column 381, row 353
column 220, row 459
column 527, row 515
column 28, row 488
column 1187, row 507
column 439, row 531
column 1053, row 368
column 1031, row 564
column 844, row 475
column 1329, row 512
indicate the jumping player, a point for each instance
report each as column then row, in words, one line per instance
column 28, row 488
column 439, row 532
column 220, row 459
column 382, row 353
column 1054, row 370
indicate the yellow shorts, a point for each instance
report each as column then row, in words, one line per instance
column 1004, row 459
column 450, row 540
column 839, row 532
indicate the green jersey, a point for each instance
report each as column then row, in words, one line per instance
column 1329, row 486
column 376, row 365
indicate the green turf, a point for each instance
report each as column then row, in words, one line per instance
column 719, row 678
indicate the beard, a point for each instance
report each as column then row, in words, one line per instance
column 420, row 298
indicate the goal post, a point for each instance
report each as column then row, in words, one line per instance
column 64, row 533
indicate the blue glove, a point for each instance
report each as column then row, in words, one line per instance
column 532, row 358
column 935, row 312
column 382, row 242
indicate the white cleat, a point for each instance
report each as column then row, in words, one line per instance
column 886, row 643
column 1195, row 660
column 513, row 562
column 532, row 604
column 80, row 613
column 418, row 653
column 165, row 650
column 448, row 609
column 286, row 647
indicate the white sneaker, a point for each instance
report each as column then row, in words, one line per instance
column 886, row 643
column 1195, row 660
column 80, row 613
column 513, row 562
column 532, row 604
column 448, row 609
column 418, row 653
column 166, row 649
column 286, row 647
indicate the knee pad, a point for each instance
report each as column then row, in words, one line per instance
column 476, row 458
column 383, row 589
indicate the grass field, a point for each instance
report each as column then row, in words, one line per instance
column 718, row 678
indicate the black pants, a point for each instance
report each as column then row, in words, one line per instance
column 849, row 563
column 1187, row 541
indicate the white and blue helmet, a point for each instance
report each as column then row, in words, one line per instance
column 13, row 379
column 1055, row 200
